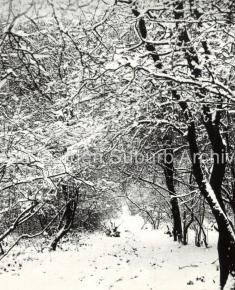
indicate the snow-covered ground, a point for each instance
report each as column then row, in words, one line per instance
column 138, row 260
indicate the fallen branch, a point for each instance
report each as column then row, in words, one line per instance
column 188, row 266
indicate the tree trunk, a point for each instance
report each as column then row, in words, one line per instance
column 186, row 227
column 169, row 176
column 66, row 223
column 67, row 218
column 226, row 241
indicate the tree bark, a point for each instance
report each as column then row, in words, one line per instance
column 169, row 177
column 226, row 241
column 66, row 223
column 186, row 227
column 67, row 218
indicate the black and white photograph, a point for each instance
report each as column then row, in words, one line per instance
column 117, row 144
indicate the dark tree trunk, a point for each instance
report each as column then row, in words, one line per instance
column 169, row 176
column 66, row 223
column 232, row 202
column 226, row 241
column 67, row 218
column 201, row 230
column 1, row 249
column 186, row 227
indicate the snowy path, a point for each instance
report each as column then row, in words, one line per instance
column 149, row 260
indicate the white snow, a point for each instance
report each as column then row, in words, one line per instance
column 138, row 260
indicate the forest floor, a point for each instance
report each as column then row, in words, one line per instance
column 138, row 260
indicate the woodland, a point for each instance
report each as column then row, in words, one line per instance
column 109, row 107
